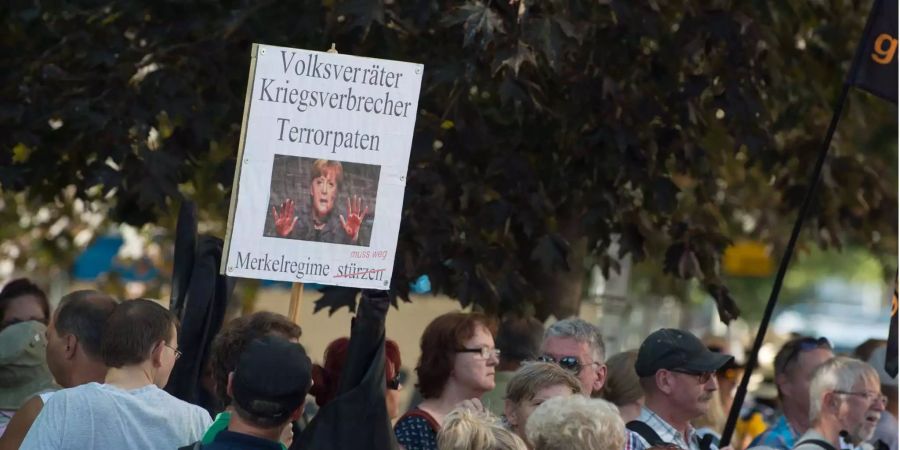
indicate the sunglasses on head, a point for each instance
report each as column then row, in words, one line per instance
column 569, row 363
column 803, row 345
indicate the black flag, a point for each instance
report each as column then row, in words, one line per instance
column 876, row 71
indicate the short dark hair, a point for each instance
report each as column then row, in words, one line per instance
column 442, row 337
column 18, row 288
column 84, row 315
column 132, row 330
column 519, row 339
column 234, row 338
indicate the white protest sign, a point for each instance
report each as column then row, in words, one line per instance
column 321, row 168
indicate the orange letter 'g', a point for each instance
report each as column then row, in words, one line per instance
column 883, row 55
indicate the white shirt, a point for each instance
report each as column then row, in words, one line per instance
column 100, row 416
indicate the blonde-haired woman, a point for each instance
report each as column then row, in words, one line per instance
column 576, row 423
column 531, row 385
column 467, row 429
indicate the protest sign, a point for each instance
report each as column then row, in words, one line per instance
column 321, row 170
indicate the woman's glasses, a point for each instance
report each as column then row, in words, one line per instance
column 483, row 352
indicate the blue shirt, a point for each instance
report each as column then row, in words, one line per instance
column 229, row 440
column 779, row 436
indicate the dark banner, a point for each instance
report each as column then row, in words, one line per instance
column 876, row 71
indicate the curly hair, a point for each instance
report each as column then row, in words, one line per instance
column 442, row 337
column 576, row 423
column 236, row 335
column 327, row 376
column 464, row 429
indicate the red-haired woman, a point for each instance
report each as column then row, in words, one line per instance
column 326, row 378
column 457, row 364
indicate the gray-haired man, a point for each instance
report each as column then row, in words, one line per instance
column 577, row 346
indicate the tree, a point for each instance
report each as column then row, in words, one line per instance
column 547, row 130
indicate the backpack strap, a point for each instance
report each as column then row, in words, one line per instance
column 817, row 442
column 643, row 430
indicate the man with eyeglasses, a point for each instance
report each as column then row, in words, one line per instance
column 677, row 374
column 577, row 346
column 845, row 405
column 795, row 363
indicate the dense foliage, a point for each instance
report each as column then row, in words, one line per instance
column 547, row 130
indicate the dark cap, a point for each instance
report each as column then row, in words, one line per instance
column 673, row 349
column 271, row 378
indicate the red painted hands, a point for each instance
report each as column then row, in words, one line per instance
column 355, row 217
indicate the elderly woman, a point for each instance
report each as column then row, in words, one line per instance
column 623, row 387
column 576, row 423
column 457, row 365
column 532, row 385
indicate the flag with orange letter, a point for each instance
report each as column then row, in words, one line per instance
column 877, row 68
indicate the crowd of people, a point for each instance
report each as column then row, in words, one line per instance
column 92, row 373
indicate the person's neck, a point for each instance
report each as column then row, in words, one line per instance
column 87, row 371
column 796, row 417
column 830, row 429
column 129, row 377
column 669, row 413
column 452, row 395
column 237, row 425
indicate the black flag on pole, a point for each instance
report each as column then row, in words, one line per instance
column 877, row 69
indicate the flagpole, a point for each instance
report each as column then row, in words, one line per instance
column 814, row 178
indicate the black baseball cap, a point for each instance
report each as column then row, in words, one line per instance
column 271, row 378
column 676, row 350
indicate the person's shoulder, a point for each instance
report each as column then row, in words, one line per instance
column 178, row 405
column 73, row 393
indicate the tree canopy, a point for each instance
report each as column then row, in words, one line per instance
column 547, row 130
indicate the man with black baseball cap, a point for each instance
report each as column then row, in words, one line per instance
column 677, row 374
column 268, row 388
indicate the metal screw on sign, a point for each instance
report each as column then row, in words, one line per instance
column 262, row 51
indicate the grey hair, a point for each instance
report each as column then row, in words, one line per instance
column 581, row 331
column 837, row 374
column 576, row 423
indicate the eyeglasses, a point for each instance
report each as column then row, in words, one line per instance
column 569, row 363
column 394, row 383
column 702, row 377
column 177, row 352
column 799, row 346
column 484, row 352
column 870, row 396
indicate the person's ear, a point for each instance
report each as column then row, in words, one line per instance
column 509, row 410
column 783, row 384
column 228, row 386
column 71, row 346
column 663, row 380
column 156, row 354
column 601, row 378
